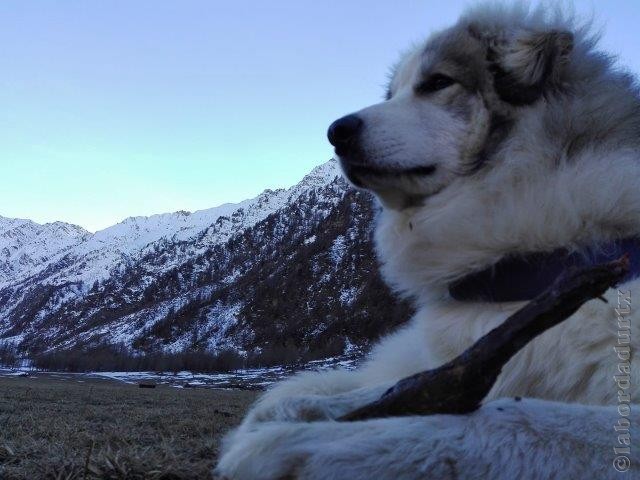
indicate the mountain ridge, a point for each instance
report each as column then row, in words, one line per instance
column 282, row 270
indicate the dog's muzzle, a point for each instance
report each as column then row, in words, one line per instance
column 344, row 134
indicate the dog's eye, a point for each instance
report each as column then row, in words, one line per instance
column 435, row 82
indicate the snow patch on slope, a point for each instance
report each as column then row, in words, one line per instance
column 27, row 248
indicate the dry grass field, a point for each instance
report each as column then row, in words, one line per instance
column 60, row 428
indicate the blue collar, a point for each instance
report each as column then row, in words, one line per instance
column 523, row 277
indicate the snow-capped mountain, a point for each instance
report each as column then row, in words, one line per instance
column 289, row 267
column 24, row 245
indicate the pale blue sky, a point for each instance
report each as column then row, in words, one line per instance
column 117, row 108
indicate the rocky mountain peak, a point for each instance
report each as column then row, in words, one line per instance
column 290, row 268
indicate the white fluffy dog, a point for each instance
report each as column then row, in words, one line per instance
column 508, row 148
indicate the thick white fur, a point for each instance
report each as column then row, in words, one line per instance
column 533, row 199
column 505, row 439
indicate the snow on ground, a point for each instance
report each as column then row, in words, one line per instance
column 349, row 295
column 338, row 249
column 220, row 318
column 251, row 378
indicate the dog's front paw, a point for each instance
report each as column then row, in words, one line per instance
column 385, row 449
column 310, row 408
column 504, row 439
column 305, row 408
column 261, row 453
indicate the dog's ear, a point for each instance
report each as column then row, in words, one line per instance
column 528, row 64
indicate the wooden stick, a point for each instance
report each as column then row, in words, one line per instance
column 460, row 386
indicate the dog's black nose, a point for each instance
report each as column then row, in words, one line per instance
column 343, row 131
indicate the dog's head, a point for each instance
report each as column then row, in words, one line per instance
column 450, row 104
column 508, row 132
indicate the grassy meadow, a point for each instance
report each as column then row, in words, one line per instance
column 56, row 427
